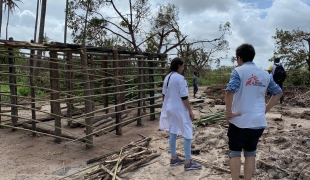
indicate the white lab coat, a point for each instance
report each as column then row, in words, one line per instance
column 174, row 115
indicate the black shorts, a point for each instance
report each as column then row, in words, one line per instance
column 243, row 138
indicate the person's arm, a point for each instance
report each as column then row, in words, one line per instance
column 188, row 106
column 184, row 96
column 232, row 87
column 276, row 92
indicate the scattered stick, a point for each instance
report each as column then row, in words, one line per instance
column 110, row 172
column 271, row 166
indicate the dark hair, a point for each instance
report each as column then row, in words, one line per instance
column 276, row 60
column 175, row 63
column 246, row 52
column 195, row 73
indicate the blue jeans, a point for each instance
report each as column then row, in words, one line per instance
column 187, row 146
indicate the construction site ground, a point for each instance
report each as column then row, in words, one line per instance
column 283, row 151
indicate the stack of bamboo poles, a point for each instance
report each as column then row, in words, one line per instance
column 119, row 162
column 210, row 118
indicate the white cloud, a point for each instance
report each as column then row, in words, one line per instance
column 251, row 21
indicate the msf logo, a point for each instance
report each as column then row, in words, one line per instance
column 252, row 80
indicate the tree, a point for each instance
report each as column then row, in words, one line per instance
column 233, row 59
column 1, row 8
column 164, row 30
column 66, row 21
column 293, row 47
column 202, row 57
column 36, row 22
column 9, row 5
column 38, row 62
column 199, row 56
column 127, row 27
column 93, row 31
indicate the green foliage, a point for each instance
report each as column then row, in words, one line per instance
column 297, row 78
column 23, row 91
column 212, row 77
column 6, row 90
column 293, row 48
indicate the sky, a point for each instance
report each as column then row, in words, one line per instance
column 252, row 21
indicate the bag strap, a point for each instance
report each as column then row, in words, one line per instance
column 169, row 79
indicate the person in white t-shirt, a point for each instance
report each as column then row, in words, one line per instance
column 176, row 115
column 246, row 109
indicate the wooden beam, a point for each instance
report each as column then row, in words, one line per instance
column 88, row 104
column 33, row 95
column 151, row 86
column 13, row 87
column 55, row 105
column 118, row 118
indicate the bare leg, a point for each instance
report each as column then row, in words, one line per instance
column 235, row 166
column 249, row 166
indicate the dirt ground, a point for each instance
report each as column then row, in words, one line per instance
column 283, row 151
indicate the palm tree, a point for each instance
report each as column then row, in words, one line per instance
column 10, row 5
column 42, row 21
column 66, row 22
column 36, row 23
column 41, row 35
column 1, row 8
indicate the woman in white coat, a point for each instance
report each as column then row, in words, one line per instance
column 176, row 115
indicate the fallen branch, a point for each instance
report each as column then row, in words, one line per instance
column 261, row 162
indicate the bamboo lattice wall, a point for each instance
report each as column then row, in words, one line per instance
column 72, row 89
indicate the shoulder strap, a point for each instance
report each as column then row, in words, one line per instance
column 169, row 79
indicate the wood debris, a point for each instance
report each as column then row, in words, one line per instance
column 117, row 163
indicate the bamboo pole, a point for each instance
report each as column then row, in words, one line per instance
column 0, row 104
column 69, row 77
column 33, row 103
column 114, row 125
column 105, row 85
column 59, row 137
column 92, row 85
column 117, row 96
column 152, row 93
column 13, row 87
column 140, row 94
column 87, row 93
column 55, row 106
column 164, row 69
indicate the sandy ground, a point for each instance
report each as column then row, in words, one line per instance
column 283, row 152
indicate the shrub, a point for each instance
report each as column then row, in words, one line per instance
column 23, row 91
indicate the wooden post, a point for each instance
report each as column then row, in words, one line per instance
column 117, row 96
column 122, row 83
column 152, row 93
column 92, row 84
column 88, row 104
column 163, row 65
column 33, row 95
column 13, row 87
column 69, row 87
column 143, row 86
column 140, row 94
column 55, row 106
column 104, row 65
column 0, row 105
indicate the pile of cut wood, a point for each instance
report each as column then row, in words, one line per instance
column 210, row 118
column 113, row 165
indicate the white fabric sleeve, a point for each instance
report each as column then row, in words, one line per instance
column 164, row 90
column 183, row 89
